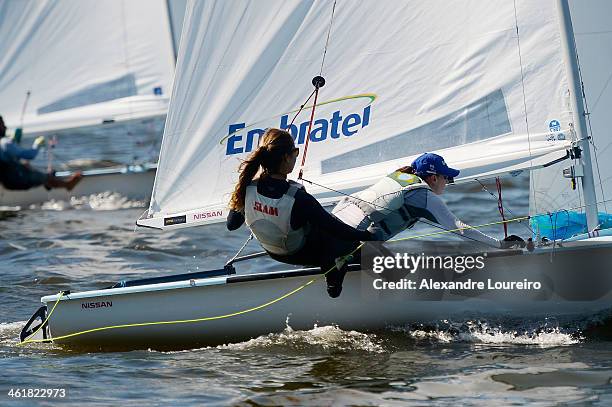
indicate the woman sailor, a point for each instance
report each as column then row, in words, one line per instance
column 400, row 199
column 289, row 223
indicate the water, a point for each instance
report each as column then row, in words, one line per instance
column 93, row 244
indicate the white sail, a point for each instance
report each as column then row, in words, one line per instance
column 83, row 62
column 562, row 208
column 479, row 82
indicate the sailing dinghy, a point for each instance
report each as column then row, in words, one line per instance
column 492, row 86
column 72, row 66
column 133, row 182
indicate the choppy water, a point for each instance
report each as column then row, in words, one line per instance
column 91, row 243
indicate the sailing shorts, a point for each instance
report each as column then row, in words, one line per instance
column 16, row 176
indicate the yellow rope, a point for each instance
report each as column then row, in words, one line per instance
column 60, row 295
column 248, row 310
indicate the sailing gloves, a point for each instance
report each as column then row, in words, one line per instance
column 377, row 233
column 39, row 142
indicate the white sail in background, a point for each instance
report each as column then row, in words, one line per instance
column 551, row 193
column 83, row 62
column 479, row 82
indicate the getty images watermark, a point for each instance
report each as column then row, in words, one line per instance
column 459, row 264
column 456, row 271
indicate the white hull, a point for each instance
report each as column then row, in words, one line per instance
column 567, row 292
column 133, row 182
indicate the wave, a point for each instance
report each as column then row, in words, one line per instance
column 479, row 332
column 104, row 201
column 324, row 338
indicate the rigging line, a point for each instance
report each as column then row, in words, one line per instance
column 587, row 113
column 23, row 108
column 420, row 219
column 500, row 204
column 126, row 58
column 331, row 21
column 455, row 231
column 368, row 202
column 50, row 149
column 505, row 207
column 251, row 236
column 511, row 212
column 602, row 92
column 518, row 43
column 603, row 194
column 301, row 108
column 317, row 84
column 345, row 194
column 594, row 32
column 578, row 187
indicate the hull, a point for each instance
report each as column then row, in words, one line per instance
column 239, row 307
column 133, row 182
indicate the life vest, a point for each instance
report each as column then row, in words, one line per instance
column 270, row 220
column 381, row 205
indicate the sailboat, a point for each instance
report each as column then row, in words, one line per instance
column 75, row 66
column 493, row 86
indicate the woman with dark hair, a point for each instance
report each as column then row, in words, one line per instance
column 290, row 224
column 410, row 193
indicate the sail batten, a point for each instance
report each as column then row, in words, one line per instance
column 482, row 83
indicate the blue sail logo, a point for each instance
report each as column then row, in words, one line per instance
column 243, row 139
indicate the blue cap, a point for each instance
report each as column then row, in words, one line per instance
column 430, row 163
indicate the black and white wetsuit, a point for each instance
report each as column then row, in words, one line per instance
column 326, row 237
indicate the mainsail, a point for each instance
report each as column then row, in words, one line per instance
column 479, row 82
column 67, row 64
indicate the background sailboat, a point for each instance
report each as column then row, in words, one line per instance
column 81, row 66
column 480, row 85
column 83, row 63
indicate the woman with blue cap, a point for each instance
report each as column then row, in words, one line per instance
column 400, row 199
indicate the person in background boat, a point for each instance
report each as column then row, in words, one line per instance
column 400, row 199
column 290, row 224
column 16, row 175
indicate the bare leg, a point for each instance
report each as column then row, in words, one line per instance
column 68, row 183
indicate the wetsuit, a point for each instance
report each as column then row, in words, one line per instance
column 15, row 175
column 326, row 238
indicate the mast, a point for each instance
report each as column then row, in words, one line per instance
column 571, row 63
